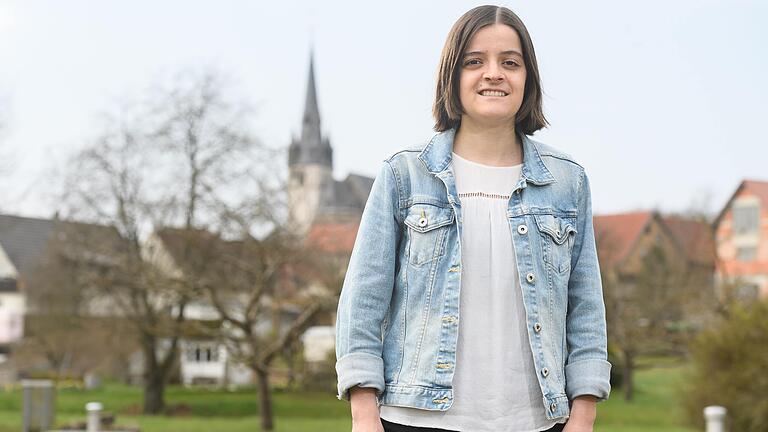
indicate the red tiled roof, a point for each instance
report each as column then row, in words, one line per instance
column 694, row 237
column 759, row 188
column 616, row 234
column 333, row 237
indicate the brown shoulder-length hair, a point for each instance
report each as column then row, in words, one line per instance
column 447, row 108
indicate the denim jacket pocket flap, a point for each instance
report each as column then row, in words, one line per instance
column 425, row 217
column 556, row 227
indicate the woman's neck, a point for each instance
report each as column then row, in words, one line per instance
column 488, row 145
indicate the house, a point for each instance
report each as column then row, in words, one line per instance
column 204, row 258
column 741, row 235
column 38, row 285
column 655, row 269
column 203, row 359
column 11, row 306
column 623, row 240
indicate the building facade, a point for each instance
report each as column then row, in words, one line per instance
column 741, row 234
column 314, row 196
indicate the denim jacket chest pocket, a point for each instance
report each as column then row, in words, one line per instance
column 427, row 227
column 558, row 234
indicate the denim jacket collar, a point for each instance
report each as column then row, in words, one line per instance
column 436, row 156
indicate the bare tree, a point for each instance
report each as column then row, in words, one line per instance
column 250, row 283
column 181, row 157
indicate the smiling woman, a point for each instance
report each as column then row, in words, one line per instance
column 473, row 299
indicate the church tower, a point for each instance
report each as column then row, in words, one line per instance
column 310, row 162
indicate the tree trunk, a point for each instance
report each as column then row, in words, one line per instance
column 628, row 377
column 265, row 399
column 154, row 394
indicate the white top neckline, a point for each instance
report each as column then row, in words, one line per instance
column 484, row 166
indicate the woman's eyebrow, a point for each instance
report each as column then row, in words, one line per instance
column 508, row 52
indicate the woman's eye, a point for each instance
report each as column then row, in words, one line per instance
column 511, row 63
column 472, row 62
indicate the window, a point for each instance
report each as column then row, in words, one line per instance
column 202, row 353
column 746, row 218
column 746, row 254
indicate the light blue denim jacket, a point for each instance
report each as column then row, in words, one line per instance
column 398, row 314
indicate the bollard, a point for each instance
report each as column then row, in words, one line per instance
column 94, row 416
column 39, row 398
column 715, row 418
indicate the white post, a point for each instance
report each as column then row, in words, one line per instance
column 94, row 416
column 715, row 418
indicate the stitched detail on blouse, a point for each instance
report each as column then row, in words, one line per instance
column 483, row 195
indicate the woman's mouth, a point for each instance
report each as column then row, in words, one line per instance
column 494, row 93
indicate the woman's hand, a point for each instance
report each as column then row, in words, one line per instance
column 583, row 413
column 365, row 410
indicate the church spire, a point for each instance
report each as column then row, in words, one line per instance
column 311, row 148
column 311, row 112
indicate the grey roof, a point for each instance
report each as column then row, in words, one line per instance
column 346, row 197
column 7, row 269
column 311, row 148
column 24, row 240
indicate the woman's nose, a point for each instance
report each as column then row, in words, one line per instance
column 493, row 74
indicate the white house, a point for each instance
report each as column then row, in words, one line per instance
column 12, row 303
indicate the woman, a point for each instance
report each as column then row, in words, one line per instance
column 473, row 300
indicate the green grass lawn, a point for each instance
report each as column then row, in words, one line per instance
column 654, row 408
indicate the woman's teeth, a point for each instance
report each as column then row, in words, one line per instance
column 492, row 93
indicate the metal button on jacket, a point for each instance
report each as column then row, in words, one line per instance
column 530, row 278
column 522, row 229
column 537, row 327
column 545, row 372
column 423, row 221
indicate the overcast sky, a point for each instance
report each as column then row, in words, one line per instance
column 663, row 102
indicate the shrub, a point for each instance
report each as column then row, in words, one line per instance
column 729, row 364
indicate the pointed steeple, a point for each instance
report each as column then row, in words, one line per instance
column 311, row 112
column 311, row 148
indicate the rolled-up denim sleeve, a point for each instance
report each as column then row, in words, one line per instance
column 587, row 371
column 367, row 289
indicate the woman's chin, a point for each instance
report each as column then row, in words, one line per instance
column 491, row 118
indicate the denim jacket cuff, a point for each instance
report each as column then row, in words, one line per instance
column 588, row 377
column 359, row 369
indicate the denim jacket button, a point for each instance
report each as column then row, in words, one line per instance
column 530, row 278
column 522, row 229
column 553, row 407
column 423, row 222
column 537, row 327
column 545, row 372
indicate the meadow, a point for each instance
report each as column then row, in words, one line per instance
column 203, row 410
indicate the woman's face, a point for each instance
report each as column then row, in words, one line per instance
column 492, row 79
